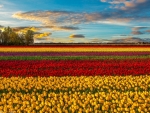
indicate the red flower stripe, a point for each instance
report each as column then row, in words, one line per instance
column 74, row 67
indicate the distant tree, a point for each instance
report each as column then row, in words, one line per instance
column 29, row 37
column 1, row 37
column 6, row 34
column 10, row 37
column 8, row 30
column 21, row 38
column 14, row 39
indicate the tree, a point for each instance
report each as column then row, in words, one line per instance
column 10, row 37
column 1, row 37
column 29, row 37
column 6, row 35
column 14, row 39
column 21, row 38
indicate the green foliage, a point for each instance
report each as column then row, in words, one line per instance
column 29, row 37
column 10, row 37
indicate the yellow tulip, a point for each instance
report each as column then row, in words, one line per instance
column 37, row 107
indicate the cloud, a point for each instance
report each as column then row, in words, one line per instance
column 25, row 29
column 127, row 4
column 65, row 28
column 56, row 20
column 123, row 12
column 42, row 39
column 137, row 10
column 77, row 36
column 135, row 4
column 95, row 40
column 41, row 35
column 123, row 35
column 37, row 33
column 51, row 18
column 128, row 40
column 137, row 32
column 63, row 20
column 1, row 6
column 35, row 29
column 19, row 28
column 137, row 28
column 148, row 31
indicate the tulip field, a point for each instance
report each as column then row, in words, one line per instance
column 75, row 79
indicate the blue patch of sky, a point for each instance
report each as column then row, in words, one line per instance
column 66, row 5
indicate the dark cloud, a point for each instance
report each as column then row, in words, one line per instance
column 123, row 35
column 36, row 27
column 38, row 33
column 42, row 39
column 129, row 5
column 68, row 28
column 140, row 6
column 138, row 28
column 128, row 40
column 137, row 32
column 77, row 36
column 16, row 29
column 137, row 10
column 21, row 27
column 36, row 30
column 25, row 28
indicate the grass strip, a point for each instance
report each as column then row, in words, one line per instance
column 71, row 57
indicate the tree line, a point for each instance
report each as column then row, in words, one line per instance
column 9, row 37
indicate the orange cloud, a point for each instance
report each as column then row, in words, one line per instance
column 41, row 35
column 127, row 4
column 25, row 29
column 126, row 12
column 63, row 20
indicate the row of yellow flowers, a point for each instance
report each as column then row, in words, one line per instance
column 75, row 94
column 72, row 49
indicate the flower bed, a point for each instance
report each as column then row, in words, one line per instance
column 74, row 67
column 74, row 49
column 74, row 53
column 75, row 94
column 68, row 79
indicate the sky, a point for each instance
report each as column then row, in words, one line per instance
column 76, row 21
